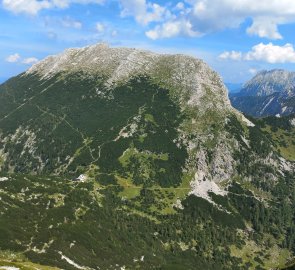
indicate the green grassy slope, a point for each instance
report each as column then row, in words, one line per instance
column 281, row 132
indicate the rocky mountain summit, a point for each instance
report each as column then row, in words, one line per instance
column 269, row 82
column 118, row 149
column 268, row 93
column 190, row 76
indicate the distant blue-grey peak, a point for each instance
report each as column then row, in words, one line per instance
column 269, row 82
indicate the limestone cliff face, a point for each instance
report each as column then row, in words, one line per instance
column 194, row 82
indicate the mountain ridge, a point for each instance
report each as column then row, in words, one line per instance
column 122, row 63
column 269, row 82
column 267, row 93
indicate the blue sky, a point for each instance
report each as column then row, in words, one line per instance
column 236, row 37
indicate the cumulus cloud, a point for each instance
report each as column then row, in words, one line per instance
column 191, row 17
column 25, row 6
column 172, row 29
column 13, row 58
column 71, row 23
column 233, row 55
column 16, row 58
column 32, row 7
column 30, row 60
column 253, row 71
column 206, row 16
column 180, row 6
column 272, row 54
column 264, row 28
column 269, row 53
column 144, row 12
column 99, row 27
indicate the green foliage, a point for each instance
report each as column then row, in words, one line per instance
column 78, row 128
column 123, row 139
column 99, row 234
column 281, row 132
column 259, row 142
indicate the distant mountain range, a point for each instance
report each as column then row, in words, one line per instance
column 268, row 93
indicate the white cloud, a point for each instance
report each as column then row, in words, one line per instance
column 13, row 58
column 253, row 71
column 144, row 12
column 266, row 15
column 206, row 16
column 191, row 17
column 99, row 27
column 71, row 23
column 16, row 58
column 264, row 28
column 272, row 54
column 30, row 60
column 25, row 6
column 233, row 55
column 32, row 7
column 179, row 6
column 269, row 53
column 172, row 29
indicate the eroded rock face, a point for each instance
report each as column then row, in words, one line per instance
column 25, row 140
column 192, row 79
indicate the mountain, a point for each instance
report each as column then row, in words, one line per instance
column 268, row 93
column 269, row 82
column 117, row 158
